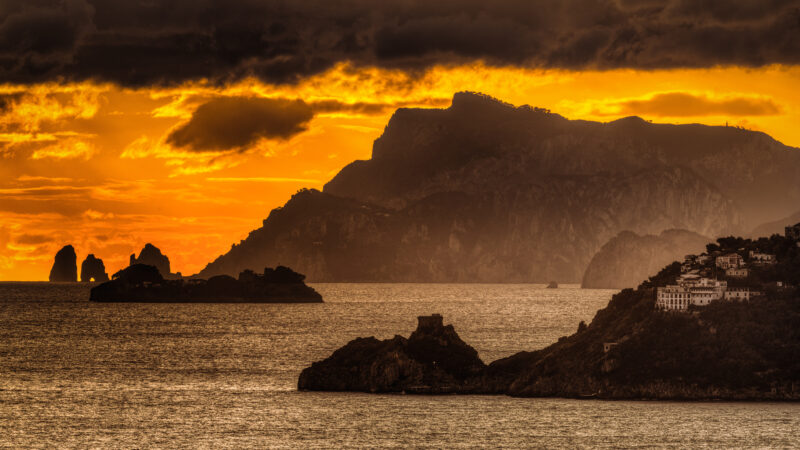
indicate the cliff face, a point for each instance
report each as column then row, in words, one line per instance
column 483, row 191
column 481, row 144
column 628, row 258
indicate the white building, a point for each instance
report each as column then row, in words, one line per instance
column 731, row 260
column 742, row 272
column 673, row 298
column 695, row 291
column 741, row 294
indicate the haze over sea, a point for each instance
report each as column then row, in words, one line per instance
column 78, row 374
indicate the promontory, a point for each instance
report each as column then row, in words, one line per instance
column 724, row 324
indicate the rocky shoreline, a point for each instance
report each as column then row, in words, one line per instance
column 435, row 361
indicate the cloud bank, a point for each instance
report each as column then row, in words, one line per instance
column 170, row 42
column 684, row 104
column 239, row 122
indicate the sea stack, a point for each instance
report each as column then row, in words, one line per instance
column 93, row 269
column 152, row 256
column 65, row 266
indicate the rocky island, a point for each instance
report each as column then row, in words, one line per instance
column 484, row 191
column 65, row 266
column 638, row 347
column 144, row 283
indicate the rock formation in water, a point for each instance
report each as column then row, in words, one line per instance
column 628, row 258
column 484, row 191
column 144, row 283
column 152, row 256
column 432, row 360
column 93, row 269
column 732, row 350
column 65, row 266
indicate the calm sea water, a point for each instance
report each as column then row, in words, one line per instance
column 78, row 374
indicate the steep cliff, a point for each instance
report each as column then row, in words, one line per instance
column 628, row 258
column 483, row 191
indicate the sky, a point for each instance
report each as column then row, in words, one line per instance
column 183, row 123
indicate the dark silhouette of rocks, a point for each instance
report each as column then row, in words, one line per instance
column 93, row 269
column 65, row 266
column 151, row 255
column 433, row 360
column 728, row 349
column 483, row 191
column 628, row 258
column 145, row 283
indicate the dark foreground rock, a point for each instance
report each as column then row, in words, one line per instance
column 433, row 360
column 93, row 269
column 728, row 350
column 65, row 266
column 144, row 283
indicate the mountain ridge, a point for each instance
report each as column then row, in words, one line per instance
column 484, row 191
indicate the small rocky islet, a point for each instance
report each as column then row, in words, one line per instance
column 144, row 283
column 726, row 350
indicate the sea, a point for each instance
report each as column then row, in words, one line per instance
column 75, row 374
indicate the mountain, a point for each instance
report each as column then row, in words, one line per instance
column 629, row 258
column 484, row 191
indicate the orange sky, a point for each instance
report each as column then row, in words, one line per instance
column 90, row 164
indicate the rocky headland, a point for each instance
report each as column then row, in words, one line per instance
column 629, row 258
column 144, row 283
column 730, row 350
column 484, row 191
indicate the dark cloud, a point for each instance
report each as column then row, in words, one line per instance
column 8, row 101
column 239, row 122
column 167, row 42
column 681, row 104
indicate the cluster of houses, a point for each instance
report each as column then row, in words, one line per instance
column 696, row 286
column 699, row 285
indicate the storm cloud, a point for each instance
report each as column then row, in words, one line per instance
column 169, row 42
column 239, row 122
